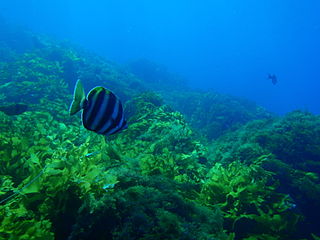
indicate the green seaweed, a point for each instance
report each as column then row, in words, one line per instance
column 247, row 195
column 162, row 178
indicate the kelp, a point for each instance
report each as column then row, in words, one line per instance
column 158, row 179
column 43, row 165
column 214, row 114
column 247, row 195
column 147, row 211
column 56, row 170
column 292, row 143
column 164, row 141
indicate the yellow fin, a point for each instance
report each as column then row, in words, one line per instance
column 78, row 99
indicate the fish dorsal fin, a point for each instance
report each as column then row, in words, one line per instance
column 96, row 90
column 92, row 95
column 78, row 99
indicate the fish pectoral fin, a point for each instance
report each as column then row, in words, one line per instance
column 78, row 99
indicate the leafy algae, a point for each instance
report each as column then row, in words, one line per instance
column 159, row 179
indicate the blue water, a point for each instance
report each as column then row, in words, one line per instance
column 229, row 46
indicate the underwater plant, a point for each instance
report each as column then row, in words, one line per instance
column 292, row 142
column 247, row 196
column 191, row 165
column 214, row 114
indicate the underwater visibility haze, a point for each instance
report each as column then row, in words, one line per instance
column 228, row 46
column 189, row 120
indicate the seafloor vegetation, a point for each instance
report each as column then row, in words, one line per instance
column 191, row 165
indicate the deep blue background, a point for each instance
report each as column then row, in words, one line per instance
column 225, row 45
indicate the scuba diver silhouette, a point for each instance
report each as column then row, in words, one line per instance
column 273, row 78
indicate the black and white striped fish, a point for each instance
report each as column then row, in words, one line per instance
column 102, row 110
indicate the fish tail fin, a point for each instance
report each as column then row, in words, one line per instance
column 78, row 99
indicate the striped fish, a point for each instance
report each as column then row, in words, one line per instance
column 102, row 110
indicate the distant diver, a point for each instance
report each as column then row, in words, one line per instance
column 14, row 109
column 273, row 78
column 102, row 110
